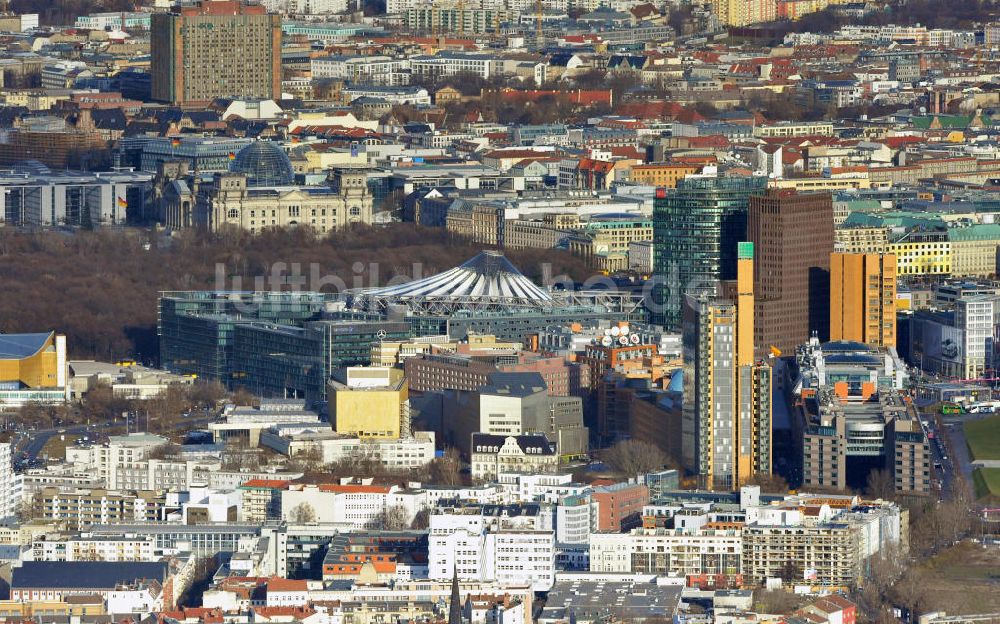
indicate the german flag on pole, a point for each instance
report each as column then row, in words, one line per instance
column 232, row 155
column 175, row 142
column 122, row 203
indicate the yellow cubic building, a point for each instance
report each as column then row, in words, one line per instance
column 863, row 298
column 922, row 253
column 369, row 402
column 32, row 360
column 32, row 369
column 662, row 174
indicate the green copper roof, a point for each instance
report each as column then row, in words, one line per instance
column 984, row 232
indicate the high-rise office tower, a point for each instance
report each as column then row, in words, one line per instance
column 863, row 298
column 217, row 48
column 792, row 234
column 695, row 230
column 726, row 420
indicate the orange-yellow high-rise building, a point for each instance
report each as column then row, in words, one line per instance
column 726, row 421
column 863, row 298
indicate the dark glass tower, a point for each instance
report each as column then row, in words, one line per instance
column 696, row 229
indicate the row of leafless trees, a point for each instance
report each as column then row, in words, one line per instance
column 100, row 288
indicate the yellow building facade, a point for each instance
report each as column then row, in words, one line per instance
column 928, row 257
column 863, row 298
column 661, row 174
column 33, row 360
column 369, row 402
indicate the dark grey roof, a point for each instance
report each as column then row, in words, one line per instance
column 85, row 574
column 514, row 384
column 530, row 443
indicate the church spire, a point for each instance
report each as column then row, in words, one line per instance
column 455, row 608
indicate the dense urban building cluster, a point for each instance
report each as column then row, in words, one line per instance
column 770, row 402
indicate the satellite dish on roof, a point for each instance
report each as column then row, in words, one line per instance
column 615, row 330
column 624, row 329
column 607, row 341
column 607, row 332
column 623, row 340
column 634, row 338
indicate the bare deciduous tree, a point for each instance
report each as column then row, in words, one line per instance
column 303, row 513
column 633, row 457
column 880, row 484
column 447, row 469
column 394, row 518
column 769, row 482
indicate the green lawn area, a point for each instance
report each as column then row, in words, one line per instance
column 984, row 437
column 987, row 482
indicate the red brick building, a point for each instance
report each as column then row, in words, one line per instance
column 618, row 507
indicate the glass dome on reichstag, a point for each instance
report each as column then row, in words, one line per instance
column 264, row 164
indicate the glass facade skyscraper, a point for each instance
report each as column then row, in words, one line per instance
column 696, row 228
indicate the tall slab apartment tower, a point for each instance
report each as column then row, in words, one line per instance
column 726, row 422
column 217, row 48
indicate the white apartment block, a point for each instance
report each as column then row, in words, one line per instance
column 92, row 548
column 667, row 551
column 512, row 545
column 506, row 557
column 451, row 63
column 974, row 316
column 573, row 520
column 305, row 7
column 10, row 484
column 121, row 456
column 393, row 453
column 526, row 488
column 359, row 506
column 372, row 70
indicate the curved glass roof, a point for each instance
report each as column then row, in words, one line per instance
column 264, row 164
column 489, row 275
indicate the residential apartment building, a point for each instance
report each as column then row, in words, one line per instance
column 363, row 70
column 668, row 552
column 829, row 553
column 452, row 63
column 82, row 508
column 528, row 453
column 793, row 128
column 863, row 298
column 105, row 548
column 471, row 20
column 861, row 240
column 726, row 421
column 216, row 48
column 511, row 544
column 922, row 253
